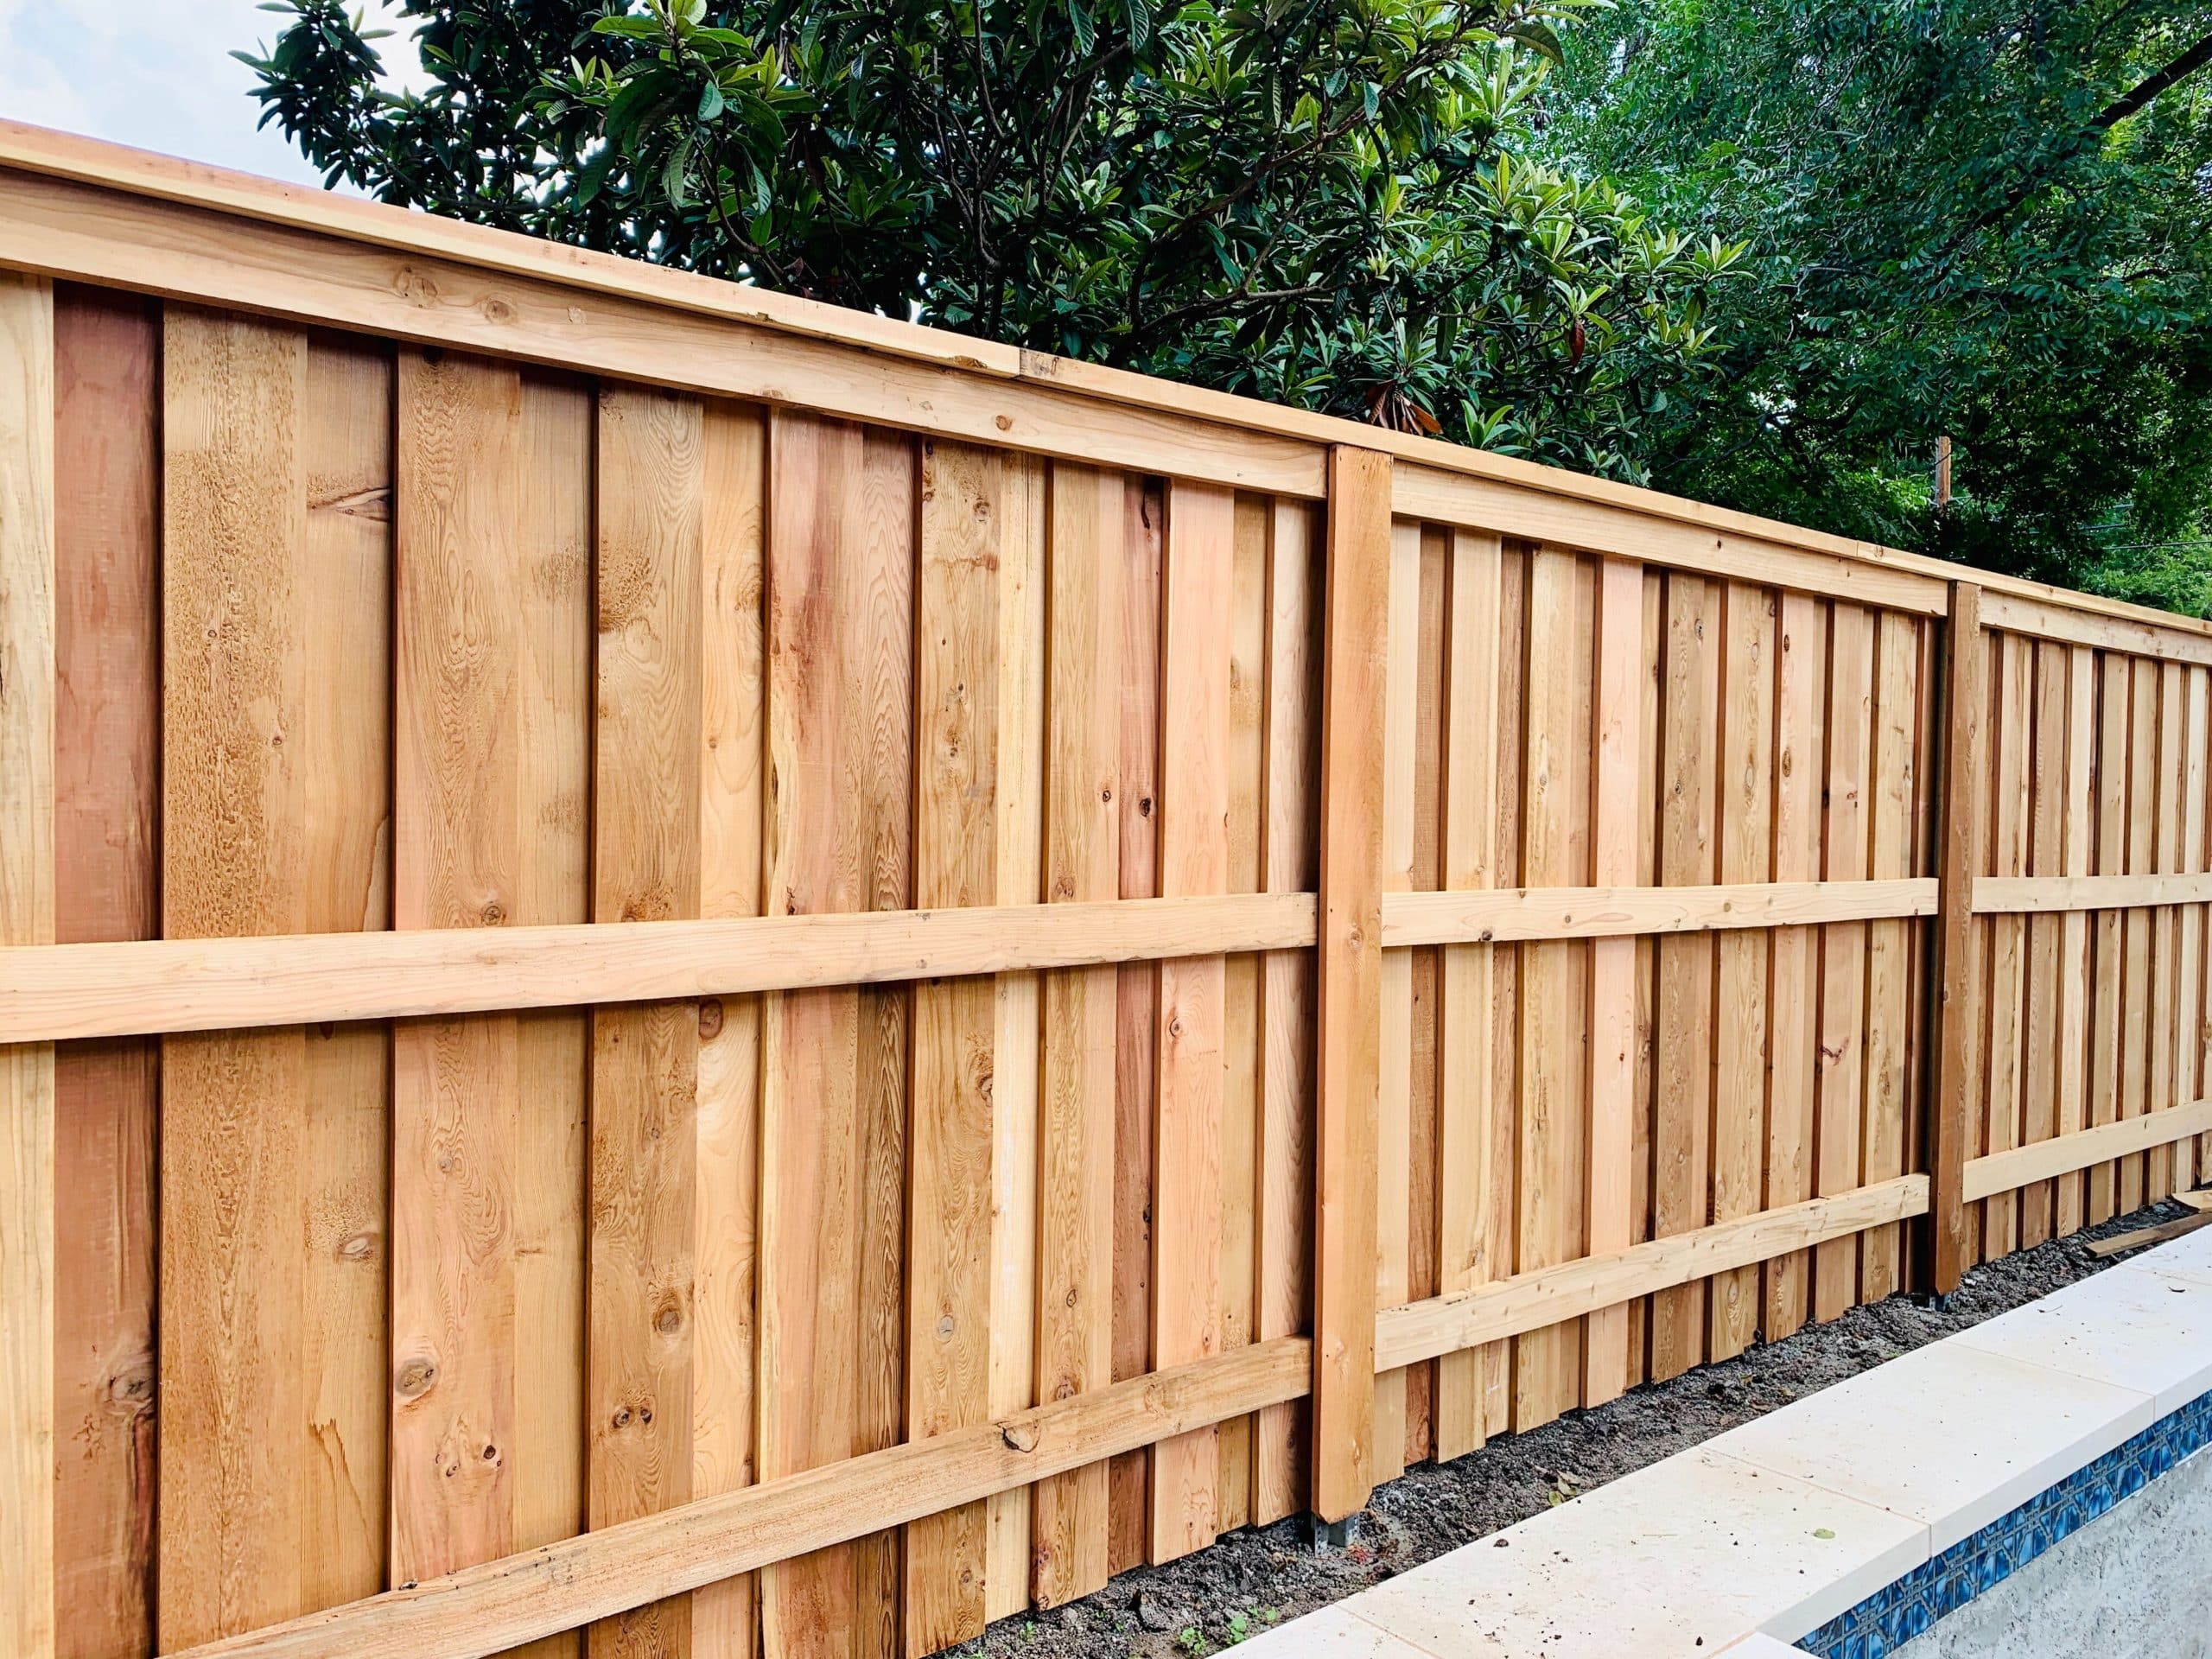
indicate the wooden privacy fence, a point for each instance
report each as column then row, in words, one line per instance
column 682, row 974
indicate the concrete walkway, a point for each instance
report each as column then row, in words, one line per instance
column 1766, row 1533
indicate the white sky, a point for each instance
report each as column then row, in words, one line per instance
column 155, row 73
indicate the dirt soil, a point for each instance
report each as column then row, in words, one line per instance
column 1254, row 1578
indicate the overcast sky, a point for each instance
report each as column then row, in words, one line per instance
column 155, row 73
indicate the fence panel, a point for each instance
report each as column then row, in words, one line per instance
column 683, row 973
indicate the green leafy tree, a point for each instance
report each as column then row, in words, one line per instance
column 1333, row 203
column 1984, row 218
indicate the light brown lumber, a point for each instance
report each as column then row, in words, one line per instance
column 1393, row 1116
column 107, row 802
column 1347, row 1055
column 1600, row 912
column 1801, row 675
column 491, row 651
column 51, row 993
column 1688, row 855
column 1281, row 1482
column 1241, row 1174
column 1537, row 1299
column 647, row 757
column 2165, row 1031
column 2055, row 619
column 2013, row 765
column 2189, row 1077
column 2046, row 856
column 127, row 173
column 1959, row 859
column 1750, row 621
column 839, row 627
column 1610, row 1149
column 28, row 1443
column 1196, row 609
column 1467, row 1066
column 1017, row 1010
column 966, row 541
column 2046, row 895
column 1839, row 1099
column 1890, row 1092
column 274, row 796
column 733, row 789
column 1531, row 511
column 2200, row 1198
column 1144, row 524
column 1554, row 1105
column 2073, row 967
column 2041, row 1161
column 2145, row 1237
column 2137, row 928
column 1075, row 1264
column 344, row 747
column 487, row 1609
column 2106, row 940
column 191, row 253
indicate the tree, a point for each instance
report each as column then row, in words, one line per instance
column 1333, row 203
column 1988, row 218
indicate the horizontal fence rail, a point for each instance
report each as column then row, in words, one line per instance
column 686, row 972
column 55, row 993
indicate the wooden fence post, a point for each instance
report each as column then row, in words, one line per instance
column 1348, row 1038
column 1959, row 837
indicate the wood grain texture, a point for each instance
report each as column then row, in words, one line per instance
column 494, row 652
column 733, row 789
column 840, row 626
column 1083, row 861
column 107, row 743
column 1890, row 800
column 1136, row 996
column 1746, row 829
column 1393, row 1116
column 1240, row 1038
column 1615, row 830
column 1688, row 853
column 1289, row 864
column 273, row 1144
column 965, row 538
column 1018, row 1008
column 1548, row 1364
column 29, row 1444
column 2136, row 926
column 1801, row 675
column 2165, row 858
column 1347, row 1059
column 1956, row 1085
column 2111, row 860
column 1839, row 1100
column 1467, row 1106
column 488, row 1610
column 2076, row 824
column 1197, row 607
column 2046, row 856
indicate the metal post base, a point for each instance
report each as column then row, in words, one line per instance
column 1321, row 1534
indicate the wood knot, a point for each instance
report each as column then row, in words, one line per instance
column 415, row 1379
column 1019, row 1437
column 711, row 1020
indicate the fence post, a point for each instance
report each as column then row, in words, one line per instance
column 1348, row 1042
column 1959, row 836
